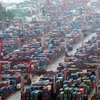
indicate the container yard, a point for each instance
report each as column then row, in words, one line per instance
column 50, row 50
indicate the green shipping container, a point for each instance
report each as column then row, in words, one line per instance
column 70, row 90
column 60, row 78
column 88, row 82
column 66, row 90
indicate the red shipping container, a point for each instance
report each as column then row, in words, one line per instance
column 69, row 99
column 61, row 89
column 93, row 85
column 50, row 83
column 0, row 84
column 23, row 94
column 23, row 98
column 45, row 89
column 81, row 90
column 46, row 98
column 87, row 78
column 78, row 95
column 80, row 86
column 1, row 98
column 81, row 74
column 62, row 71
column 49, row 92
column 35, row 98
column 5, row 83
column 48, row 60
column 74, row 81
column 59, row 68
column 73, row 99
column 84, row 81
column 69, row 83
column 27, row 94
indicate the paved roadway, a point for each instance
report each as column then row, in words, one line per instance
column 53, row 66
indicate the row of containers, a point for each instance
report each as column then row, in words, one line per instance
column 10, row 45
column 38, row 28
column 14, row 34
column 66, row 83
column 75, row 87
column 44, row 56
column 34, row 51
column 10, row 78
column 9, row 82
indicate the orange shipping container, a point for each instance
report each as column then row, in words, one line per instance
column 5, row 83
column 45, row 89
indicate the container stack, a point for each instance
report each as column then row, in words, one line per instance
column 69, row 84
column 41, row 90
column 75, row 84
column 34, row 51
column 9, row 84
column 75, row 87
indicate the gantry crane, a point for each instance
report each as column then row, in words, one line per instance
column 29, row 71
column 85, row 6
column 48, row 2
column 69, row 2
